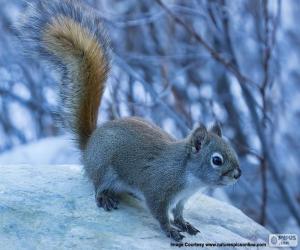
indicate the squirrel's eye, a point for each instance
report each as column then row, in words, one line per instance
column 216, row 160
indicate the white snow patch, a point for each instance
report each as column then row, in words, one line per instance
column 51, row 150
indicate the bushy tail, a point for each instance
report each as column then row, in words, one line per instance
column 71, row 37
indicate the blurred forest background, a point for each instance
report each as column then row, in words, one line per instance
column 177, row 63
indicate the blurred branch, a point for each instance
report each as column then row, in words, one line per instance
column 30, row 103
column 211, row 51
column 264, row 191
column 268, row 45
column 179, row 120
column 267, row 155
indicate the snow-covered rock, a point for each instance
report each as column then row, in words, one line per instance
column 52, row 207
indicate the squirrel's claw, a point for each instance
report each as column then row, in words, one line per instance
column 185, row 226
column 107, row 201
column 175, row 234
column 192, row 230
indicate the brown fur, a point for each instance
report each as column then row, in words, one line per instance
column 78, row 49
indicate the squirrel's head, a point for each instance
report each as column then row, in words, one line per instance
column 212, row 159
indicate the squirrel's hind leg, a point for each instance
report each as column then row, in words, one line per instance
column 106, row 189
column 107, row 199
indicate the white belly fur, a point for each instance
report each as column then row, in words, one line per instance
column 193, row 185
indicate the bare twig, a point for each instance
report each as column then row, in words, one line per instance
column 211, row 51
column 264, row 191
column 179, row 120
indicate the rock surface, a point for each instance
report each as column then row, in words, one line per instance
column 52, row 207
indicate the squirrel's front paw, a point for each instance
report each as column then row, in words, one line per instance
column 186, row 227
column 175, row 234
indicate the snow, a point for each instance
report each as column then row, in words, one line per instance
column 52, row 207
column 51, row 150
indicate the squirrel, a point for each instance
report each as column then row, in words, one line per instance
column 127, row 154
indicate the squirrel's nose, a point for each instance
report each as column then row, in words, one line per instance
column 237, row 173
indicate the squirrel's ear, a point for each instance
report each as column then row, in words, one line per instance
column 198, row 136
column 216, row 129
